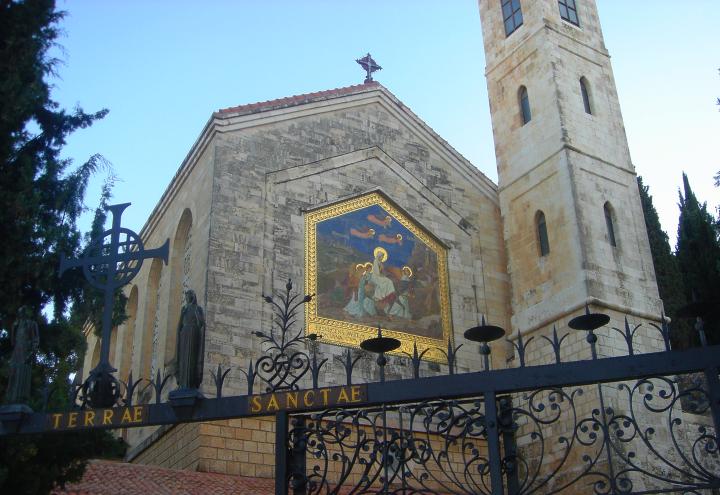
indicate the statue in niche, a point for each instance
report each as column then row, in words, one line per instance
column 24, row 338
column 190, row 344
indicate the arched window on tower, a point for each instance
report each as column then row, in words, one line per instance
column 585, row 95
column 524, row 100
column 542, row 235
column 610, row 224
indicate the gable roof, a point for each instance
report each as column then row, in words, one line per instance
column 241, row 111
column 240, row 116
column 298, row 99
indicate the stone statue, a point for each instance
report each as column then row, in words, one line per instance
column 190, row 344
column 24, row 339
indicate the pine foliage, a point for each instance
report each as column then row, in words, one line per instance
column 40, row 202
column 667, row 271
column 698, row 253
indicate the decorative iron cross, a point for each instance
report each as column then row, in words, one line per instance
column 111, row 261
column 369, row 65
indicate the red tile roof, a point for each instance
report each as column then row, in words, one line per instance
column 120, row 478
column 300, row 99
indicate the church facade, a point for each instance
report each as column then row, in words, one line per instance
column 357, row 200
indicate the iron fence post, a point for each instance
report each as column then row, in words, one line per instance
column 298, row 453
column 493, row 438
column 281, row 453
column 711, row 376
column 509, row 445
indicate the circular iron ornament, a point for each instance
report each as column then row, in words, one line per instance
column 380, row 345
column 126, row 267
column 589, row 321
column 484, row 333
column 101, row 389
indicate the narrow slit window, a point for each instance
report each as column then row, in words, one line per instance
column 542, row 234
column 512, row 15
column 568, row 11
column 585, row 95
column 525, row 113
column 610, row 225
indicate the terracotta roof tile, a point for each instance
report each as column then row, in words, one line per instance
column 299, row 99
column 120, row 478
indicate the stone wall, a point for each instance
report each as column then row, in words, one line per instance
column 566, row 163
column 267, row 170
column 244, row 447
column 270, row 171
column 177, row 447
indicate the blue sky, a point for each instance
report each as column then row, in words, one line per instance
column 163, row 67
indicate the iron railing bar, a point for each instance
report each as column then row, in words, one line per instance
column 282, row 457
column 569, row 374
column 493, row 439
column 476, row 384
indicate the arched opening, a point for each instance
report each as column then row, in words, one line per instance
column 610, row 224
column 525, row 113
column 129, row 334
column 113, row 346
column 150, row 322
column 542, row 234
column 180, row 264
column 585, row 91
column 95, row 355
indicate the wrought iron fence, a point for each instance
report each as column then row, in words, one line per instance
column 633, row 423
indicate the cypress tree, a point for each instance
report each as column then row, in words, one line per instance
column 669, row 280
column 41, row 199
column 698, row 253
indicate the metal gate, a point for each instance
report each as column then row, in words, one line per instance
column 632, row 423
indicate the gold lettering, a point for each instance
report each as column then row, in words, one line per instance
column 126, row 418
column 255, row 404
column 89, row 419
column 343, row 396
column 137, row 418
column 56, row 421
column 309, row 398
column 354, row 393
column 273, row 403
column 291, row 399
column 325, row 392
column 72, row 420
column 107, row 416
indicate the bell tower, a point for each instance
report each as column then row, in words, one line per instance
column 573, row 224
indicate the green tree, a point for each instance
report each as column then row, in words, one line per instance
column 698, row 253
column 667, row 271
column 42, row 198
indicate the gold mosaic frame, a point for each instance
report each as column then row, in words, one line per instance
column 351, row 334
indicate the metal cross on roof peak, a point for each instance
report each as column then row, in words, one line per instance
column 369, row 65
